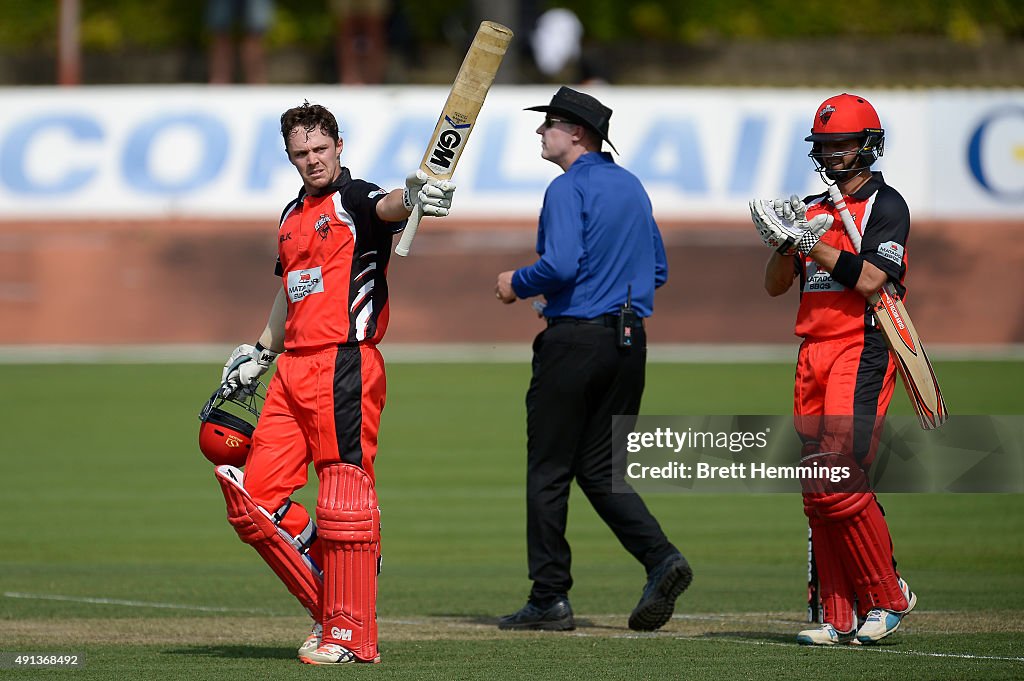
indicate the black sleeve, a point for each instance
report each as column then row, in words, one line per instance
column 278, row 270
column 361, row 198
column 814, row 199
column 885, row 234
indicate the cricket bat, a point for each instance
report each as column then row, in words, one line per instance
column 912, row 362
column 460, row 112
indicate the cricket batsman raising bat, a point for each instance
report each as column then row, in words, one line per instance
column 848, row 249
column 460, row 112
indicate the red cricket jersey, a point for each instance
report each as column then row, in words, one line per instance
column 827, row 308
column 333, row 253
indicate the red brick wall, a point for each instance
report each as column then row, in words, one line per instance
column 205, row 281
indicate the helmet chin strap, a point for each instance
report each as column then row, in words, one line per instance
column 843, row 175
column 851, row 178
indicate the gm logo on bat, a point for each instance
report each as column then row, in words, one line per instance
column 448, row 146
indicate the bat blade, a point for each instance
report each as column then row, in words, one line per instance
column 912, row 363
column 458, row 117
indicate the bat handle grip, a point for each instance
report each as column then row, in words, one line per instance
column 411, row 225
column 844, row 214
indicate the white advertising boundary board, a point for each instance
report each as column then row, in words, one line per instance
column 217, row 152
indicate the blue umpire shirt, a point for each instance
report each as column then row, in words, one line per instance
column 597, row 237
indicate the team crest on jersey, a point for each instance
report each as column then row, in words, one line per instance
column 826, row 113
column 323, row 226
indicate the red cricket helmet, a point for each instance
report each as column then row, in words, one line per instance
column 846, row 117
column 226, row 438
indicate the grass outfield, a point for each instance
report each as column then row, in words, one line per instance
column 114, row 542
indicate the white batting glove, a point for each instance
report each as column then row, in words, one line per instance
column 794, row 210
column 775, row 233
column 784, row 222
column 244, row 367
column 433, row 196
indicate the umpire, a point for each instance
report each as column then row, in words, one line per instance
column 601, row 257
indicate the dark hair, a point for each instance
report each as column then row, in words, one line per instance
column 310, row 117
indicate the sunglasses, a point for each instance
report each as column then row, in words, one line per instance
column 549, row 122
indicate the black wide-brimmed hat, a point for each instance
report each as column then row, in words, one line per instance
column 579, row 108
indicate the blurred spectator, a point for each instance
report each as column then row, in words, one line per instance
column 252, row 18
column 556, row 41
column 557, row 44
column 361, row 40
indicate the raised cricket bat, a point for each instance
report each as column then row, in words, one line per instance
column 459, row 113
column 911, row 360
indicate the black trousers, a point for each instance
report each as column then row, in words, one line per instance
column 581, row 378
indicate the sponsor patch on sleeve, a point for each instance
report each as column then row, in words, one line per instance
column 891, row 250
column 378, row 192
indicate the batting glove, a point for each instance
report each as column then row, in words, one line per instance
column 774, row 232
column 244, row 367
column 433, row 196
column 795, row 211
column 783, row 224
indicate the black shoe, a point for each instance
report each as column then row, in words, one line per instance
column 664, row 585
column 556, row 617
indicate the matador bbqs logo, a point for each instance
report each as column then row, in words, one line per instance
column 302, row 283
column 826, row 113
column 892, row 251
column 447, row 147
column 820, row 280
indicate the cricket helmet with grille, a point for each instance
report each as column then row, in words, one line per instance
column 841, row 118
column 225, row 437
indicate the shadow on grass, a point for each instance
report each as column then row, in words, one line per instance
column 492, row 620
column 235, row 652
column 765, row 636
column 790, row 639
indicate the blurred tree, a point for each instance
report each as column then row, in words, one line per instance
column 703, row 20
column 110, row 25
column 27, row 24
column 112, row 31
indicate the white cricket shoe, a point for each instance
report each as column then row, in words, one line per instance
column 825, row 635
column 312, row 641
column 332, row 653
column 881, row 623
column 911, row 596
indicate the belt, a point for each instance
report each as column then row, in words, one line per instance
column 609, row 320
